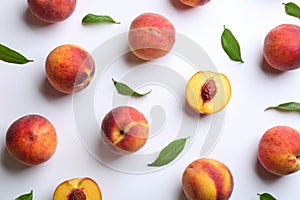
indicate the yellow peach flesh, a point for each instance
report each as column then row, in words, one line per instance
column 88, row 186
column 194, row 96
column 91, row 189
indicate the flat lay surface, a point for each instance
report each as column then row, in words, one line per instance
column 230, row 136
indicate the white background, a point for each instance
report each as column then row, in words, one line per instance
column 255, row 86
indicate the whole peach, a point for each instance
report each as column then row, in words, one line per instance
column 206, row 179
column 52, row 11
column 281, row 47
column 151, row 36
column 194, row 3
column 279, row 150
column 31, row 139
column 69, row 68
column 124, row 130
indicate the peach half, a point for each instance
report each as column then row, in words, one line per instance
column 206, row 179
column 78, row 189
column 208, row 92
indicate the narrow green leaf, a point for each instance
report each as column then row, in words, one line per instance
column 28, row 196
column 169, row 153
column 266, row 196
column 11, row 56
column 91, row 19
column 125, row 90
column 290, row 106
column 231, row 45
column 292, row 9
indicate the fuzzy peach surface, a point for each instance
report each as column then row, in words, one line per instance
column 69, row 68
column 279, row 150
column 31, row 139
column 206, row 179
column 52, row 11
column 282, row 47
column 126, row 128
column 194, row 3
column 151, row 36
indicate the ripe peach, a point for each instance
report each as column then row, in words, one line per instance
column 279, row 150
column 151, row 36
column 282, row 47
column 207, row 178
column 31, row 140
column 208, row 92
column 78, row 189
column 124, row 130
column 194, row 3
column 69, row 68
column 52, row 11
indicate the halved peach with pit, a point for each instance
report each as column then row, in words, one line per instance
column 208, row 92
column 78, row 189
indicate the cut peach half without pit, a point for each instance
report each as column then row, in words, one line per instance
column 78, row 189
column 208, row 92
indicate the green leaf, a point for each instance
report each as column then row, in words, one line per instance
column 11, row 56
column 292, row 9
column 91, row 19
column 290, row 106
column 169, row 153
column 125, row 90
column 28, row 196
column 231, row 45
column 266, row 196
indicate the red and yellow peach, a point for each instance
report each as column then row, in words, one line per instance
column 124, row 130
column 31, row 139
column 206, row 179
column 281, row 47
column 279, row 150
column 52, row 11
column 69, row 68
column 151, row 36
